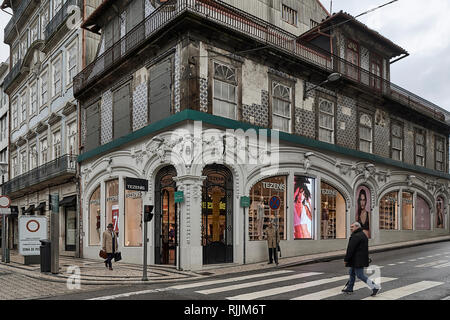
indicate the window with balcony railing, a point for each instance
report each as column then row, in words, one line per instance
column 15, row 116
column 44, row 88
column 419, row 150
column 33, row 98
column 397, row 141
column 33, row 157
column 72, row 138
column 23, row 106
column 56, row 140
column 56, row 75
column 440, row 155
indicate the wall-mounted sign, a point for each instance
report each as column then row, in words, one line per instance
column 5, row 202
column 136, row 184
column 179, row 196
column 275, row 203
column 245, row 202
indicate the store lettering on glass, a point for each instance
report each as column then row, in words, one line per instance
column 303, row 207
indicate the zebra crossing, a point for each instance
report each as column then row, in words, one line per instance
column 293, row 285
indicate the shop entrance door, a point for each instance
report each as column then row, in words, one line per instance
column 166, row 219
column 217, row 215
column 70, row 228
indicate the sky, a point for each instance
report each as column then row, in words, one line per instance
column 420, row 27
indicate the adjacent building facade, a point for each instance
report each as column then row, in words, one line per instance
column 47, row 50
column 174, row 87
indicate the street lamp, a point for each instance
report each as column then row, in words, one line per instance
column 331, row 78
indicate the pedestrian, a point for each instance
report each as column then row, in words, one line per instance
column 109, row 245
column 357, row 258
column 273, row 242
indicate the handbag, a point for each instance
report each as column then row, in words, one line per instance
column 117, row 256
column 103, row 254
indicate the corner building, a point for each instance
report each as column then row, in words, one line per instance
column 175, row 77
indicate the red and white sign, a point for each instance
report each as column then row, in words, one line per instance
column 115, row 217
column 31, row 230
column 5, row 202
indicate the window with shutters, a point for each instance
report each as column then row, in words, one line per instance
column 23, row 161
column 56, row 140
column 365, row 133
column 397, row 141
column 44, row 151
column 121, row 112
column 225, row 91
column 376, row 71
column 56, row 74
column 419, row 144
column 44, row 88
column 23, row 106
column 281, row 107
column 72, row 138
column 15, row 167
column 33, row 98
column 160, row 90
column 15, row 115
column 326, row 121
column 440, row 156
column 33, row 157
column 352, row 53
column 72, row 66
column 92, row 126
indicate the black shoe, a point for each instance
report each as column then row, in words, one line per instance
column 106, row 264
column 374, row 292
column 270, row 262
column 348, row 291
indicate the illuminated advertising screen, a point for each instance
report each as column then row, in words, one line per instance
column 304, row 200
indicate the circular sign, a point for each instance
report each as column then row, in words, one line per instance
column 275, row 203
column 5, row 202
column 33, row 226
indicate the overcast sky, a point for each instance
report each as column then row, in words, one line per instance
column 420, row 27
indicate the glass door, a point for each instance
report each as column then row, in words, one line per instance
column 70, row 225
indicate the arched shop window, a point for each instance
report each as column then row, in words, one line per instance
column 112, row 203
column 440, row 213
column 262, row 195
column 94, row 218
column 388, row 212
column 333, row 213
column 423, row 218
column 407, row 211
column 304, row 200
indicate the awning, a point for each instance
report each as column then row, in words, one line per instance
column 70, row 201
column 40, row 207
column 30, row 209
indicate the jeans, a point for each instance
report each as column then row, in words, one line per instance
column 273, row 252
column 108, row 260
column 359, row 272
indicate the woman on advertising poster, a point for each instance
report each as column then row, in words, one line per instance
column 302, row 209
column 362, row 214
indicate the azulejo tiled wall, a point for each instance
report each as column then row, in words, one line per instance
column 257, row 114
column 106, row 118
column 140, row 109
column 203, row 95
column 346, row 122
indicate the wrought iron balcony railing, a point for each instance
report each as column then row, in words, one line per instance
column 12, row 75
column 250, row 26
column 60, row 17
column 17, row 14
column 65, row 165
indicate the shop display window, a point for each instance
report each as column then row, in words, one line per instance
column 260, row 212
column 112, row 203
column 304, row 199
column 440, row 210
column 333, row 213
column 133, row 218
column 94, row 218
column 407, row 211
column 422, row 214
column 388, row 211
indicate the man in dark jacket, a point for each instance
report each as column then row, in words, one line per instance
column 357, row 258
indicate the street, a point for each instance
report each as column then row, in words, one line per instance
column 416, row 273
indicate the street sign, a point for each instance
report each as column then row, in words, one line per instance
column 179, row 196
column 275, row 203
column 5, row 210
column 5, row 202
column 136, row 184
column 31, row 230
column 245, row 202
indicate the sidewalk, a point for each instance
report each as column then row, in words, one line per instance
column 93, row 272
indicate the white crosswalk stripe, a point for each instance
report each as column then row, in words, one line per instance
column 258, row 283
column 213, row 282
column 285, row 289
column 445, row 265
column 337, row 291
column 405, row 291
column 431, row 264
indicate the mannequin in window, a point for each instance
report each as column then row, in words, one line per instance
column 260, row 218
column 325, row 217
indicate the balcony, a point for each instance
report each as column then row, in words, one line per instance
column 57, row 23
column 12, row 76
column 52, row 173
column 20, row 15
column 246, row 25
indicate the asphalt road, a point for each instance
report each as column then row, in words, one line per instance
column 416, row 273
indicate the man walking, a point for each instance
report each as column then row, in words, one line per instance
column 357, row 257
column 109, row 244
column 272, row 242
